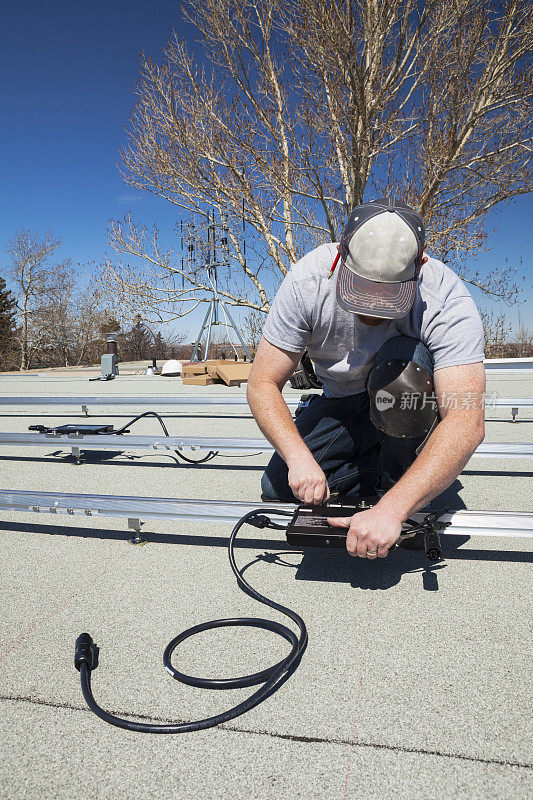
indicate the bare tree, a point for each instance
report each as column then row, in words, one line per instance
column 252, row 327
column 88, row 320
column 60, row 321
column 35, row 278
column 306, row 108
column 524, row 340
column 497, row 330
column 67, row 325
column 499, row 340
column 140, row 342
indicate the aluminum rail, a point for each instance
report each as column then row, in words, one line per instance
column 116, row 400
column 504, row 450
column 193, row 400
column 130, row 507
column 506, row 402
column 156, row 401
column 130, row 442
column 168, row 444
column 508, row 364
column 470, row 523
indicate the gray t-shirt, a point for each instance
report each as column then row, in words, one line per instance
column 305, row 314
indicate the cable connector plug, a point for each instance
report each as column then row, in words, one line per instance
column 433, row 519
column 84, row 652
column 259, row 521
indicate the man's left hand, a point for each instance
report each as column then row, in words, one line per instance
column 371, row 533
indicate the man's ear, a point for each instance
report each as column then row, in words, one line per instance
column 421, row 261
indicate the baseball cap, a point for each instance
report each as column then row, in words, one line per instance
column 380, row 253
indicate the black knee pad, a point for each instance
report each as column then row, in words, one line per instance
column 402, row 402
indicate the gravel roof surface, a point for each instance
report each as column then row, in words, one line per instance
column 414, row 684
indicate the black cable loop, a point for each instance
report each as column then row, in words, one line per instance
column 208, row 457
column 271, row 678
column 211, row 454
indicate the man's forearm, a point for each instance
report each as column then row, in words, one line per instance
column 275, row 420
column 448, row 449
column 272, row 368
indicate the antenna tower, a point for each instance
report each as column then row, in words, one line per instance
column 213, row 251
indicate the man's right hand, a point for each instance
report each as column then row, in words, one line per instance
column 307, row 481
column 271, row 369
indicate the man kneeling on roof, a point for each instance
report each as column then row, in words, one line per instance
column 397, row 341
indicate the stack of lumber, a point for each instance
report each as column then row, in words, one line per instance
column 216, row 370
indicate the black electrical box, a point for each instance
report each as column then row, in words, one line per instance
column 75, row 429
column 309, row 527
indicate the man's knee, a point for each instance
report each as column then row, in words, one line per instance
column 274, row 481
column 401, row 390
column 267, row 489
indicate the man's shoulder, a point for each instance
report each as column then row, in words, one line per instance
column 440, row 283
column 315, row 264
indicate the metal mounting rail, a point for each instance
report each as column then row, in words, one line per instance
column 509, row 364
column 168, row 444
column 130, row 507
column 154, row 401
column 163, row 444
column 470, row 523
column 504, row 450
column 506, row 402
column 194, row 400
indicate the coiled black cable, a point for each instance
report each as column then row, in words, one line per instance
column 211, row 454
column 271, row 678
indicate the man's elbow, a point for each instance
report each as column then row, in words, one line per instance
column 249, row 392
column 476, row 432
column 251, row 386
column 471, row 431
column 256, row 385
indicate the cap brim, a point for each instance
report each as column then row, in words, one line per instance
column 374, row 298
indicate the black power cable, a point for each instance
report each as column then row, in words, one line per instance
column 271, row 678
column 211, row 454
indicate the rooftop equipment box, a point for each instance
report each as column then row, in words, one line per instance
column 199, row 367
column 198, row 380
column 233, row 372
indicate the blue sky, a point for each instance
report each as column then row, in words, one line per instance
column 68, row 70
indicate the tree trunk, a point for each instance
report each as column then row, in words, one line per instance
column 24, row 342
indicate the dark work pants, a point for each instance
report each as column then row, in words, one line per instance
column 358, row 459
